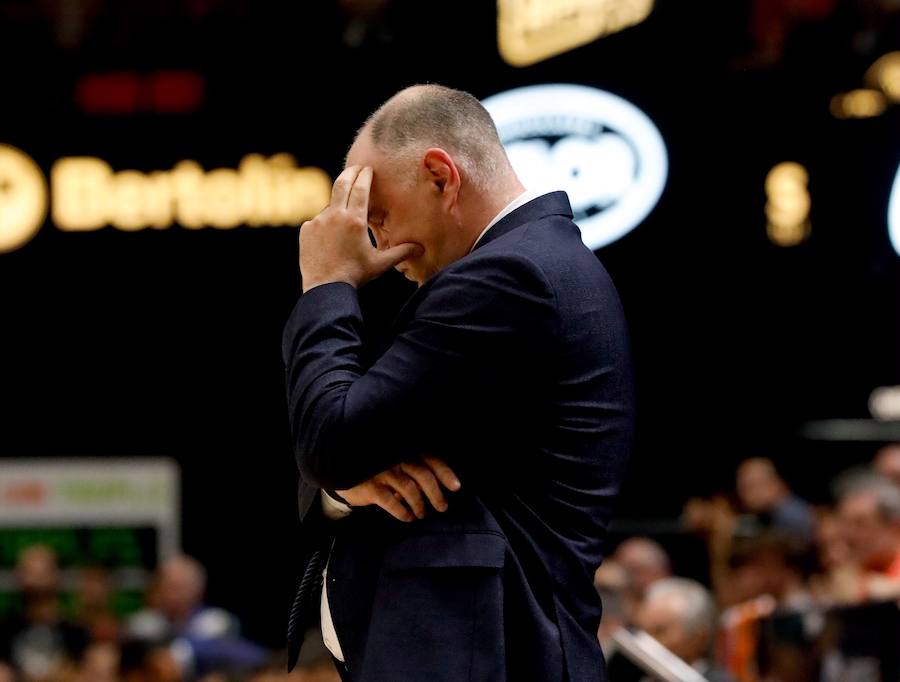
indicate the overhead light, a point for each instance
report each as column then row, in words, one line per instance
column 884, row 75
column 861, row 103
column 884, row 403
column 23, row 198
column 788, row 204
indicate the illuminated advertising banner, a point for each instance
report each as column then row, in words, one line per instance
column 86, row 194
column 602, row 150
column 531, row 30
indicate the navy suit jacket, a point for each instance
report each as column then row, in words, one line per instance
column 512, row 365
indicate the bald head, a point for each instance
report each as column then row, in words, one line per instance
column 439, row 175
column 426, row 116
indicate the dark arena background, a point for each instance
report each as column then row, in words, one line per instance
column 156, row 159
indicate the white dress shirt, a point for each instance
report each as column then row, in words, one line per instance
column 335, row 509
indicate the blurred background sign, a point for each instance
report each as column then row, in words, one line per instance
column 86, row 194
column 529, row 31
column 604, row 152
column 122, row 515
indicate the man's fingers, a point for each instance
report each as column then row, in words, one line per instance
column 385, row 499
column 444, row 473
column 340, row 190
column 385, row 260
column 408, row 488
column 358, row 202
column 427, row 482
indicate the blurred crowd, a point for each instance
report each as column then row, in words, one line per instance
column 777, row 566
column 771, row 555
column 176, row 637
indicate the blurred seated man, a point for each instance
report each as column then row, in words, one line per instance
column 764, row 493
column 178, row 607
column 205, row 638
column 644, row 561
column 93, row 609
column 887, row 462
column 99, row 663
column 836, row 580
column 870, row 511
column 771, row 564
column 680, row 614
column 39, row 641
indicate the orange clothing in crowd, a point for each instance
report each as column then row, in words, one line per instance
column 893, row 570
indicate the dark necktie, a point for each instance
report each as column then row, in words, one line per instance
column 306, row 602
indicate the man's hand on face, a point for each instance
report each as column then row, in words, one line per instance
column 335, row 245
column 399, row 489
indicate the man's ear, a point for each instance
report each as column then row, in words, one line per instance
column 442, row 172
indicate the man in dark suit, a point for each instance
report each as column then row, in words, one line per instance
column 508, row 368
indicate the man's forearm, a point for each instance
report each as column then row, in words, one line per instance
column 338, row 445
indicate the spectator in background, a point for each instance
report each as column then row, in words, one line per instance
column 644, row 561
column 92, row 604
column 764, row 493
column 887, row 462
column 39, row 642
column 837, row 578
column 771, row 565
column 200, row 638
column 681, row 615
column 145, row 661
column 869, row 509
column 177, row 607
column 99, row 663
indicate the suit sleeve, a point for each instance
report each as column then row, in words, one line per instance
column 349, row 423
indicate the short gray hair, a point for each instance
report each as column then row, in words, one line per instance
column 698, row 611
column 426, row 116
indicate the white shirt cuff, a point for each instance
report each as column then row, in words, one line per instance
column 334, row 509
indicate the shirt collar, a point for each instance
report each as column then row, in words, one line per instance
column 520, row 200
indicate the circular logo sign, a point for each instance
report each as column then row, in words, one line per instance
column 23, row 198
column 602, row 150
column 894, row 214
